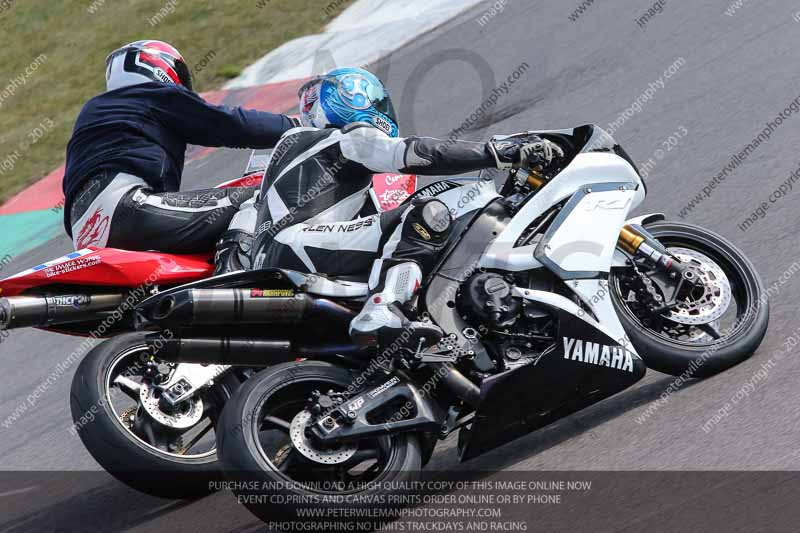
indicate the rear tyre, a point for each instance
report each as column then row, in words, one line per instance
column 256, row 449
column 706, row 349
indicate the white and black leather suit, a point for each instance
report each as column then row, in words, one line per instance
column 317, row 183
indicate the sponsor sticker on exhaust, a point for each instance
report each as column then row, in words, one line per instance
column 76, row 301
column 271, row 293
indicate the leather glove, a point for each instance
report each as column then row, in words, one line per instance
column 530, row 152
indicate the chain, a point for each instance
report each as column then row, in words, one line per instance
column 179, row 447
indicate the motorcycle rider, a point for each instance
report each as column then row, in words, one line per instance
column 126, row 157
column 316, row 184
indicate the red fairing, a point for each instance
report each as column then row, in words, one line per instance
column 110, row 267
column 253, row 179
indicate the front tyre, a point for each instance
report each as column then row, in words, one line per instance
column 706, row 330
column 257, row 436
column 119, row 433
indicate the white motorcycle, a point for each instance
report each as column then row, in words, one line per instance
column 551, row 297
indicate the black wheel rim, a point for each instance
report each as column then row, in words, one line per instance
column 734, row 321
column 271, row 419
column 120, row 385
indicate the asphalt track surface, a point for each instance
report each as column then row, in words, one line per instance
column 739, row 72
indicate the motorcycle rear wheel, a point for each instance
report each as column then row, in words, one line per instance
column 102, row 426
column 257, row 450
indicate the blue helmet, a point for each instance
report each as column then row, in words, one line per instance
column 347, row 95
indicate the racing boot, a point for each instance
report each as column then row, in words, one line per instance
column 381, row 322
column 233, row 252
column 233, row 248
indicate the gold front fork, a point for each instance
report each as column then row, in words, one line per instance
column 630, row 240
column 637, row 244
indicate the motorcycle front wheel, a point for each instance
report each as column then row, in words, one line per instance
column 258, row 437
column 136, row 444
column 700, row 330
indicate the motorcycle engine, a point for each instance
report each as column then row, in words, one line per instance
column 486, row 297
column 515, row 332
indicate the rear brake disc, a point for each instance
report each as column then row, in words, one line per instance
column 304, row 445
column 188, row 413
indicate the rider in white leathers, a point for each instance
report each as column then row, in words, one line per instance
column 317, row 180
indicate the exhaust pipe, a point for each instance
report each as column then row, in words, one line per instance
column 220, row 307
column 459, row 384
column 42, row 311
column 221, row 351
column 236, row 351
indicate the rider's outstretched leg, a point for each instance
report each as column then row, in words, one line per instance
column 381, row 321
column 409, row 254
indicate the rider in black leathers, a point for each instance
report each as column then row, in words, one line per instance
column 126, row 156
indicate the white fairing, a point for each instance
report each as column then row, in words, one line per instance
column 588, row 237
column 585, row 170
column 468, row 198
column 595, row 294
column 602, row 189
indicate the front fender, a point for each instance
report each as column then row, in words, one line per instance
column 646, row 219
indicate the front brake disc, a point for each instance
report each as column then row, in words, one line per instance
column 704, row 307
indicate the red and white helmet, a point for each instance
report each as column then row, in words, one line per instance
column 146, row 61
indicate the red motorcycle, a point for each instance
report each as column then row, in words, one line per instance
column 148, row 422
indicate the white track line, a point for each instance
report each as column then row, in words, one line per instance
column 366, row 32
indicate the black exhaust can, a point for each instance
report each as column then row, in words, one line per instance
column 220, row 307
column 222, row 351
column 42, row 311
column 243, row 351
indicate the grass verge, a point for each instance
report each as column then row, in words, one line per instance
column 53, row 59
